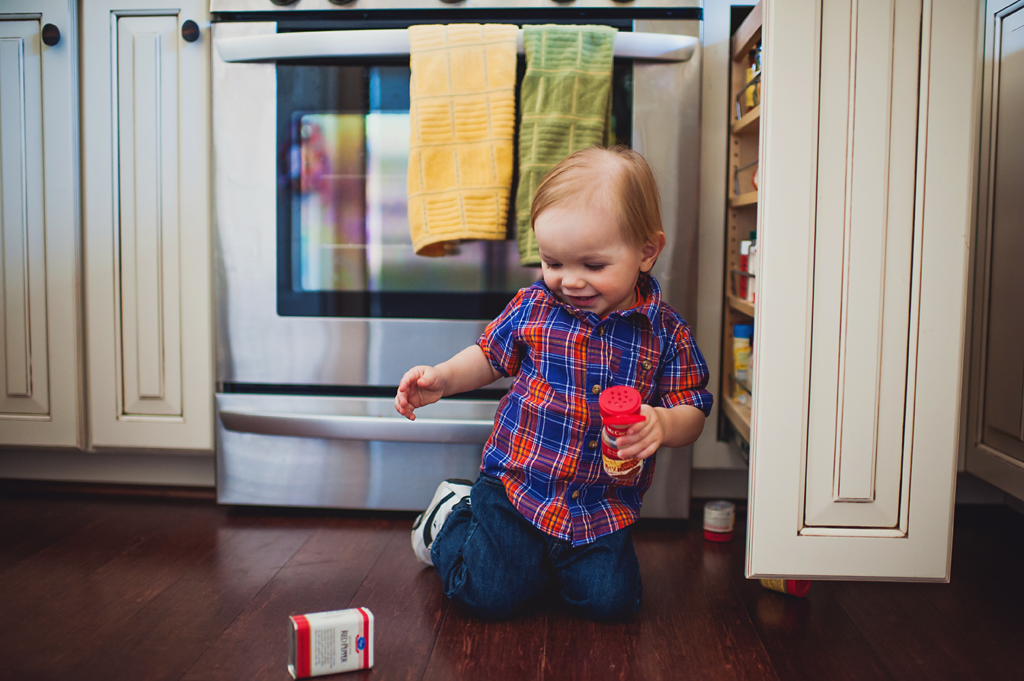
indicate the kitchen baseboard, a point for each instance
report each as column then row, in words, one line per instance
column 117, row 468
column 63, row 489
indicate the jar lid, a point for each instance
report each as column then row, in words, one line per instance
column 720, row 507
column 619, row 400
column 743, row 331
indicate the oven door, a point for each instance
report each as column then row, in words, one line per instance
column 318, row 282
column 318, row 291
column 343, row 452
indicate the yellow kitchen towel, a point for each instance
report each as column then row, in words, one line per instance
column 462, row 109
column 566, row 104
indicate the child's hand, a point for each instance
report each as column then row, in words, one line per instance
column 642, row 439
column 419, row 387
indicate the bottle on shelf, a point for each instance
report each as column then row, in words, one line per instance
column 751, row 266
column 743, row 285
column 741, row 348
column 757, row 71
column 751, row 93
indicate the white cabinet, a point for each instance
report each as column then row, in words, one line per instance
column 995, row 417
column 146, row 171
column 40, row 390
column 149, row 229
column 869, row 116
column 863, row 298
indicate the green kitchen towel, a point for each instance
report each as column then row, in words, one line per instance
column 566, row 105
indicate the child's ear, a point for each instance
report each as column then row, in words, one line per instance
column 651, row 250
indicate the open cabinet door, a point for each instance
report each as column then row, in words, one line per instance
column 868, row 164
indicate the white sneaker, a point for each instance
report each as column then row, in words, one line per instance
column 430, row 522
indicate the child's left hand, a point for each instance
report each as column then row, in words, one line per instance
column 642, row 439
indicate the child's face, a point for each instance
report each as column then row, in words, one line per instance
column 587, row 262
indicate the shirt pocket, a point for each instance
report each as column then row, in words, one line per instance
column 637, row 369
column 646, row 367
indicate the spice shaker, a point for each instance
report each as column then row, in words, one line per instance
column 620, row 408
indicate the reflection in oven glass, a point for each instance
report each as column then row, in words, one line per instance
column 332, row 202
column 349, row 194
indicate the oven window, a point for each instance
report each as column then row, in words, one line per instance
column 344, row 248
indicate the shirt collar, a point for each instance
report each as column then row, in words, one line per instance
column 648, row 294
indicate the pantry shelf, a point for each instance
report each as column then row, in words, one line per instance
column 744, row 126
column 742, row 306
column 741, row 200
column 749, row 124
column 739, row 415
column 747, row 34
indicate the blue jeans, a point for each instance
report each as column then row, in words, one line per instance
column 491, row 559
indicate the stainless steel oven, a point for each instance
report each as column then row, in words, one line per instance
column 322, row 304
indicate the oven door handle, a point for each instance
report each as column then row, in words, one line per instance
column 337, row 427
column 395, row 42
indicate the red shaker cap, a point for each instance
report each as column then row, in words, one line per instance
column 619, row 400
column 798, row 587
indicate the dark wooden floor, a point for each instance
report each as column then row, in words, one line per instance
column 141, row 588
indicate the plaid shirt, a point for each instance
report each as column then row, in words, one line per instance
column 545, row 446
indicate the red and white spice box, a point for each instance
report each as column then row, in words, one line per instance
column 330, row 642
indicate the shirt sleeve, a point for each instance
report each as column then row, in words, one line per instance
column 499, row 339
column 684, row 372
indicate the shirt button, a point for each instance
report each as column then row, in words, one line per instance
column 646, row 364
column 596, row 389
column 593, row 444
column 600, row 332
column 576, row 494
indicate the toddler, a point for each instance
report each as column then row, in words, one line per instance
column 543, row 507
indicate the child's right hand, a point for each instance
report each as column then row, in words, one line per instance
column 419, row 387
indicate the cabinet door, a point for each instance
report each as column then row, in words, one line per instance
column 146, row 161
column 995, row 420
column 39, row 356
column 870, row 120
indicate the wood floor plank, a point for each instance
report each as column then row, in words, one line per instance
column 985, row 597
column 30, row 523
column 88, row 584
column 693, row 624
column 946, row 642
column 810, row 637
column 468, row 647
column 164, row 639
column 931, row 649
column 806, row 638
column 324, row 574
column 408, row 608
column 165, row 589
column 580, row 649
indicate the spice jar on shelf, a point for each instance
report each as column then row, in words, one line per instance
column 751, row 265
column 741, row 347
column 757, row 72
column 750, row 96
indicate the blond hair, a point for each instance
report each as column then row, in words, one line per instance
column 616, row 177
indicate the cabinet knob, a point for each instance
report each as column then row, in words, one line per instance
column 51, row 35
column 284, row 3
column 341, row 2
column 190, row 31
